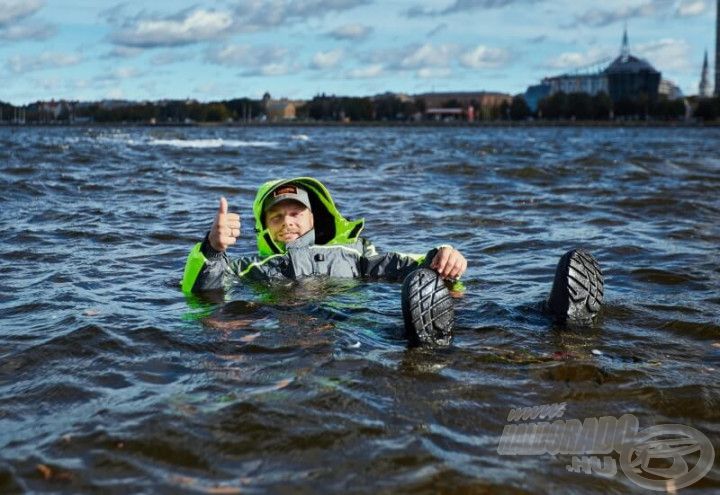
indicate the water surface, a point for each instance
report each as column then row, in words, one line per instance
column 111, row 381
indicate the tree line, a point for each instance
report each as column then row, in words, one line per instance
column 389, row 107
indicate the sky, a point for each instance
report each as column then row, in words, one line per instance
column 90, row 50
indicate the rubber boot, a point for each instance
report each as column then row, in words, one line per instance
column 428, row 309
column 577, row 290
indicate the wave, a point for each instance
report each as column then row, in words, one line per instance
column 212, row 143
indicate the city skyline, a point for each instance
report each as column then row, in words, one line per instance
column 92, row 50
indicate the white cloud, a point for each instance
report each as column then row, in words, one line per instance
column 605, row 17
column 14, row 10
column 575, row 60
column 367, row 72
column 351, row 32
column 116, row 75
column 49, row 83
column 115, row 94
column 274, row 69
column 36, row 32
column 125, row 72
column 124, row 52
column 459, row 6
column 47, row 60
column 195, row 25
column 434, row 72
column 258, row 14
column 186, row 28
column 688, row 8
column 12, row 25
column 483, row 57
column 667, row 54
column 172, row 57
column 327, row 60
column 428, row 55
column 247, row 56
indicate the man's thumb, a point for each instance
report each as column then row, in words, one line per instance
column 223, row 205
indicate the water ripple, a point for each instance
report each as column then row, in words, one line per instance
column 111, row 380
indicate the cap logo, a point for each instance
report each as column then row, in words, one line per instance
column 286, row 189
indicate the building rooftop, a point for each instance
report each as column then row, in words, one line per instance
column 627, row 63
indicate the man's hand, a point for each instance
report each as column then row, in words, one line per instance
column 225, row 229
column 449, row 263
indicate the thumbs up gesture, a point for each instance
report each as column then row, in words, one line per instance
column 225, row 229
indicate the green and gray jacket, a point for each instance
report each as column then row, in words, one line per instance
column 334, row 248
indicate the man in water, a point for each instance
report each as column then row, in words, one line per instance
column 300, row 233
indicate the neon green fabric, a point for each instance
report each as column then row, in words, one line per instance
column 195, row 261
column 346, row 231
column 456, row 286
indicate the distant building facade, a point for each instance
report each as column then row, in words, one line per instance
column 280, row 110
column 626, row 78
column 464, row 98
column 535, row 93
column 630, row 77
column 669, row 90
column 591, row 84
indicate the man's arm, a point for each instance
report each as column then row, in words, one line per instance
column 447, row 261
column 207, row 263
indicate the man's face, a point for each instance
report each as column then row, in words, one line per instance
column 288, row 220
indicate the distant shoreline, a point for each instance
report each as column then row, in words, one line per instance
column 479, row 124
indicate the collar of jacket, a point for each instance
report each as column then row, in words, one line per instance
column 305, row 240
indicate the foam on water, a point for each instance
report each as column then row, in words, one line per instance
column 212, row 143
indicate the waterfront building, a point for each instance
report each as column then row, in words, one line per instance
column 282, row 109
column 669, row 90
column 535, row 93
column 591, row 84
column 626, row 78
column 704, row 89
column 464, row 99
column 630, row 77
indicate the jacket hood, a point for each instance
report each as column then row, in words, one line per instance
column 330, row 226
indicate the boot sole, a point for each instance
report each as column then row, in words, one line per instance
column 428, row 309
column 577, row 292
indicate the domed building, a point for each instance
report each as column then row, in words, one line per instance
column 630, row 77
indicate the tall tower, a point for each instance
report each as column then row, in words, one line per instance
column 704, row 90
column 625, row 50
column 717, row 49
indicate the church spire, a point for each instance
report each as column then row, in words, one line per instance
column 704, row 82
column 625, row 50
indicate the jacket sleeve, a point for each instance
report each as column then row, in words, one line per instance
column 393, row 266
column 207, row 269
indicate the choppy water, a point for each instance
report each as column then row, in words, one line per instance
column 112, row 382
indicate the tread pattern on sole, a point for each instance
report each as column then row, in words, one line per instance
column 578, row 288
column 428, row 309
